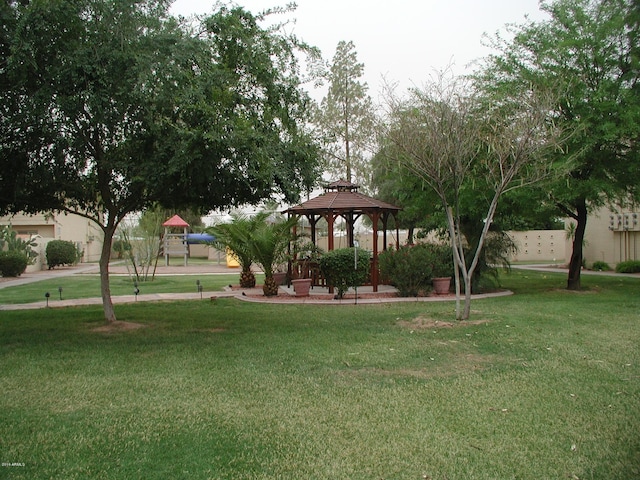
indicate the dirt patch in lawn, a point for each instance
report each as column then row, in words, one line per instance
column 433, row 367
column 425, row 323
column 118, row 326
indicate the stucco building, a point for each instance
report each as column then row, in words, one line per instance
column 85, row 233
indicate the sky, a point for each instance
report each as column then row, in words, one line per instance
column 401, row 42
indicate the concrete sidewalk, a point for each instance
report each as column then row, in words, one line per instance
column 286, row 295
column 317, row 296
column 116, row 268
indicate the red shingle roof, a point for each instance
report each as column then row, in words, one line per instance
column 342, row 196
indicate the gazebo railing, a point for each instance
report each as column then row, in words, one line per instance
column 302, row 268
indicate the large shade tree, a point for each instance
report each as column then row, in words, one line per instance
column 107, row 107
column 587, row 50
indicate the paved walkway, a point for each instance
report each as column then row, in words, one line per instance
column 318, row 295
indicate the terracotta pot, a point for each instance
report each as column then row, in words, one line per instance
column 441, row 285
column 301, row 286
column 280, row 277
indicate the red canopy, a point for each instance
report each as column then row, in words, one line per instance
column 175, row 221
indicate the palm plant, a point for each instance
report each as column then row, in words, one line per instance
column 269, row 247
column 236, row 236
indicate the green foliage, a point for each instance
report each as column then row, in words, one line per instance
column 269, row 246
column 600, row 266
column 120, row 247
column 586, row 50
column 109, row 107
column 409, row 269
column 10, row 242
column 346, row 118
column 342, row 271
column 61, row 252
column 399, row 186
column 629, row 266
column 12, row 263
column 236, row 235
column 412, row 267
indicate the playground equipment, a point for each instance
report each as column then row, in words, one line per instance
column 178, row 243
column 175, row 243
column 196, row 238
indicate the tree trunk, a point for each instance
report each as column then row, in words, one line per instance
column 410, row 234
column 466, row 313
column 575, row 265
column 105, row 289
column 270, row 287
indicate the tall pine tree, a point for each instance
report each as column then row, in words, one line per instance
column 346, row 118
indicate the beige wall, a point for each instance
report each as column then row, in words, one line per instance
column 540, row 246
column 612, row 236
column 74, row 228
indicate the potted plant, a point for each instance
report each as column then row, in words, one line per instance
column 442, row 269
column 301, row 286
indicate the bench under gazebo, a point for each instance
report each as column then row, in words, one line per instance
column 341, row 199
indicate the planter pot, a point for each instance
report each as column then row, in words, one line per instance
column 441, row 285
column 280, row 277
column 301, row 286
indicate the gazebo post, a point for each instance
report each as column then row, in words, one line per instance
column 374, row 263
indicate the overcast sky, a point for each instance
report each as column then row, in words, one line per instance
column 402, row 40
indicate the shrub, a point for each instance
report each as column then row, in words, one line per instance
column 9, row 241
column 600, row 266
column 442, row 258
column 120, row 247
column 409, row 269
column 12, row 263
column 61, row 252
column 339, row 268
column 412, row 267
column 629, row 266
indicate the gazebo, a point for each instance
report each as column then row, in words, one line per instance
column 341, row 199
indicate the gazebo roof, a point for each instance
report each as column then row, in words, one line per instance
column 175, row 221
column 342, row 196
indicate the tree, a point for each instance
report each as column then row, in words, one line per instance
column 588, row 52
column 401, row 187
column 269, row 245
column 236, row 236
column 452, row 138
column 109, row 107
column 346, row 118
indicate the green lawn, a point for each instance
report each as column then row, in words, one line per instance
column 87, row 286
column 544, row 384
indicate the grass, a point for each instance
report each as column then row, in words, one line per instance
column 87, row 286
column 544, row 384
